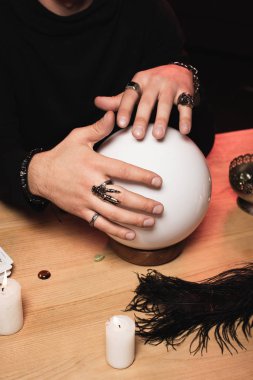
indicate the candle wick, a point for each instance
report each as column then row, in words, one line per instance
column 119, row 326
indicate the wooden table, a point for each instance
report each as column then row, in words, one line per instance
column 63, row 333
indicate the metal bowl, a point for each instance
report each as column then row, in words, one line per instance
column 241, row 180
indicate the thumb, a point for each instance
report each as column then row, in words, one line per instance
column 100, row 129
column 108, row 103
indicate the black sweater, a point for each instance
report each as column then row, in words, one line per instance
column 52, row 67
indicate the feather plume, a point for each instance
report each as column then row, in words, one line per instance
column 176, row 308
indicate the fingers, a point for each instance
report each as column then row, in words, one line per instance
column 124, row 213
column 185, row 119
column 146, row 104
column 162, row 116
column 110, row 228
column 145, row 107
column 128, row 101
column 108, row 103
column 100, row 129
column 124, row 171
column 128, row 202
column 123, row 216
column 161, row 85
column 134, row 201
column 111, row 217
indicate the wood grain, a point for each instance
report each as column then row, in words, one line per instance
column 63, row 334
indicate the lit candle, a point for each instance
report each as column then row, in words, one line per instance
column 120, row 341
column 11, row 311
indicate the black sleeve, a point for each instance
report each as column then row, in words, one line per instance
column 164, row 44
column 164, row 37
column 11, row 151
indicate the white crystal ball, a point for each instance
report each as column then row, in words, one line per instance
column 186, row 188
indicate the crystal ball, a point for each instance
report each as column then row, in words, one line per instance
column 186, row 188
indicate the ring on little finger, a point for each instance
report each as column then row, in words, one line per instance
column 185, row 99
column 101, row 192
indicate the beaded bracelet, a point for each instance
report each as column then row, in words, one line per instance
column 34, row 200
column 196, row 84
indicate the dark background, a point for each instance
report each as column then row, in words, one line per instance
column 219, row 39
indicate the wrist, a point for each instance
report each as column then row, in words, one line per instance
column 36, row 176
column 194, row 72
column 31, row 176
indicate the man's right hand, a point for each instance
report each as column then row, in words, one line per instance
column 65, row 175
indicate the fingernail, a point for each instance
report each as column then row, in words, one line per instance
column 156, row 181
column 130, row 235
column 148, row 222
column 185, row 128
column 158, row 209
column 138, row 132
column 158, row 132
column 122, row 122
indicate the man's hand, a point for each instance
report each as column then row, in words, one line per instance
column 65, row 176
column 161, row 85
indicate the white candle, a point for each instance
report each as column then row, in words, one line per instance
column 120, row 341
column 11, row 311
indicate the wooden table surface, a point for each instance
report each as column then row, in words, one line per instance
column 63, row 333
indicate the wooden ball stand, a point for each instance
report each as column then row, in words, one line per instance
column 145, row 257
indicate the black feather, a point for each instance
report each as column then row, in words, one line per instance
column 176, row 309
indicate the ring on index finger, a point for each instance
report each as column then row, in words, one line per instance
column 134, row 86
column 101, row 192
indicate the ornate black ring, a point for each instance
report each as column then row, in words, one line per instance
column 101, row 192
column 185, row 99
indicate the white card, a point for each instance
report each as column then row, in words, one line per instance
column 4, row 267
column 4, row 258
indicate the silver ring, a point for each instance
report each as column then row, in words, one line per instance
column 101, row 192
column 134, row 86
column 93, row 219
column 185, row 99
